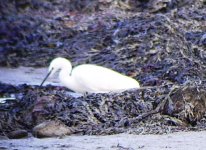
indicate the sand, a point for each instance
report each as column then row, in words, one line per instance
column 174, row 141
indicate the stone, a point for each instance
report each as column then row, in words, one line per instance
column 18, row 134
column 51, row 129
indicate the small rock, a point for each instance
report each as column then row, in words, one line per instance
column 18, row 134
column 51, row 129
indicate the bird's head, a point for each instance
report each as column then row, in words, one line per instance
column 57, row 64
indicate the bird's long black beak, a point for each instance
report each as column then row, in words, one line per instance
column 46, row 76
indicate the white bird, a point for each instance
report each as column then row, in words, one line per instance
column 89, row 78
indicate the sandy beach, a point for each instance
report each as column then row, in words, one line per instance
column 174, row 141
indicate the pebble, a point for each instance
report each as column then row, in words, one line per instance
column 18, row 134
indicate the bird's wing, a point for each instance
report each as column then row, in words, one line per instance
column 97, row 78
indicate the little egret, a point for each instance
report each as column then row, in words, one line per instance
column 88, row 78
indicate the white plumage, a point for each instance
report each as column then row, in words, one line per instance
column 90, row 78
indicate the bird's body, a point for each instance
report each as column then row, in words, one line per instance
column 91, row 78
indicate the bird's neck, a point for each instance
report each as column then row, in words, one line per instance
column 65, row 73
column 65, row 70
column 66, row 79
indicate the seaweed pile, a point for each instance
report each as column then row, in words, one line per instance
column 154, row 110
column 160, row 43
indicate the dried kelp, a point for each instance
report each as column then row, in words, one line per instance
column 129, row 111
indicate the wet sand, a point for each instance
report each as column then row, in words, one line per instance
column 26, row 75
column 175, row 141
